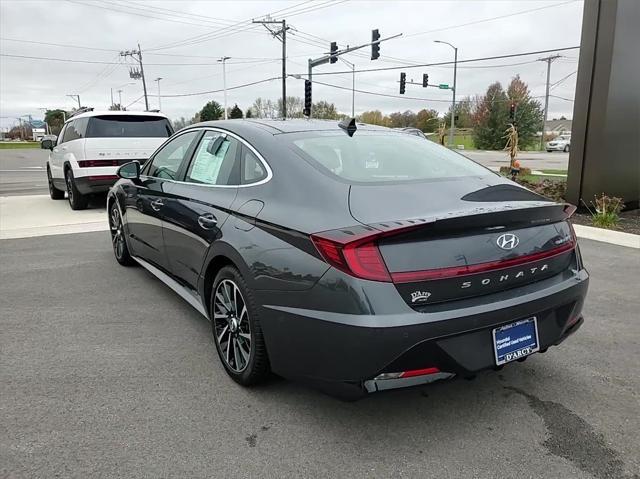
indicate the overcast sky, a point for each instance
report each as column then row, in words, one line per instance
column 211, row 29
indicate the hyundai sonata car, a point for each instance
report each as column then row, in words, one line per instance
column 351, row 257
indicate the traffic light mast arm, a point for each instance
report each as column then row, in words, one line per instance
column 327, row 58
column 429, row 85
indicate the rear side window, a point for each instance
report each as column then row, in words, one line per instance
column 75, row 130
column 128, row 126
column 378, row 157
column 214, row 162
column 252, row 169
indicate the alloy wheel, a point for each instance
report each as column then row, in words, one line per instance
column 117, row 236
column 231, row 325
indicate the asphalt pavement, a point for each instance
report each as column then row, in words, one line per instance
column 23, row 172
column 105, row 372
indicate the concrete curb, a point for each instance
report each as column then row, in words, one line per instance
column 608, row 236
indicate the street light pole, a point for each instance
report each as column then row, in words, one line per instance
column 159, row 101
column 353, row 85
column 111, row 96
column 77, row 97
column 453, row 91
column 224, row 83
column 120, row 98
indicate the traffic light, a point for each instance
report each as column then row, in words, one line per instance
column 375, row 47
column 425, row 80
column 403, row 82
column 307, row 98
column 333, row 51
column 512, row 111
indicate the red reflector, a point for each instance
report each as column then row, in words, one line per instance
column 419, row 372
column 411, row 276
column 102, row 177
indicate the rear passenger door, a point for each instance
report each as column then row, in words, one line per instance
column 197, row 207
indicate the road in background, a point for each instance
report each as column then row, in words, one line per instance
column 107, row 373
column 536, row 160
column 23, row 172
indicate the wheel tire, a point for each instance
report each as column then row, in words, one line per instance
column 234, row 326
column 566, row 149
column 54, row 192
column 77, row 200
column 118, row 238
column 549, row 151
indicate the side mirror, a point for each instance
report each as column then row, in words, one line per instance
column 47, row 145
column 129, row 171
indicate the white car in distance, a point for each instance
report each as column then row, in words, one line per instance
column 560, row 143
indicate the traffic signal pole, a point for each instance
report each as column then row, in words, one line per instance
column 334, row 56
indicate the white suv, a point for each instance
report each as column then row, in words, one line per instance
column 93, row 144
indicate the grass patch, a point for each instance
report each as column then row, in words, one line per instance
column 18, row 145
column 554, row 172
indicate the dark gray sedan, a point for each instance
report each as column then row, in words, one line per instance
column 351, row 257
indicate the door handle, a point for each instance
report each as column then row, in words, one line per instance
column 207, row 221
column 156, row 205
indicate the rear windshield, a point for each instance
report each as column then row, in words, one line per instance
column 128, row 126
column 378, row 157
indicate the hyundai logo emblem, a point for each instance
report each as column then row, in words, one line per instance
column 507, row 241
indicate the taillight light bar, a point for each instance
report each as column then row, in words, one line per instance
column 441, row 273
column 355, row 251
column 97, row 163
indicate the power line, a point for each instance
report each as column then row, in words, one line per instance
column 469, row 60
column 73, row 60
column 222, row 89
column 475, row 22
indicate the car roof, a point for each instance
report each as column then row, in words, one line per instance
column 88, row 114
column 279, row 126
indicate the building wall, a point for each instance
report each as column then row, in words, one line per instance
column 605, row 145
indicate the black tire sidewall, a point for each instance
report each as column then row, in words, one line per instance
column 77, row 200
column 54, row 192
column 257, row 368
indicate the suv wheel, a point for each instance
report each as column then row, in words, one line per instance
column 77, row 200
column 236, row 329
column 54, row 192
column 566, row 149
column 118, row 240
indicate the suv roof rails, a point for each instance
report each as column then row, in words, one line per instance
column 83, row 109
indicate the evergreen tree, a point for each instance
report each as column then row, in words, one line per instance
column 236, row 112
column 211, row 111
column 491, row 118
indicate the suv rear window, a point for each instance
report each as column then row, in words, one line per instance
column 379, row 157
column 128, row 126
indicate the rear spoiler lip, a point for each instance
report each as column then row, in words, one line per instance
column 561, row 212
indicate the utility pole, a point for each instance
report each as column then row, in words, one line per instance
column 223, row 60
column 76, row 97
column 120, row 98
column 453, row 91
column 137, row 74
column 548, row 59
column 112, row 96
column 159, row 101
column 282, row 36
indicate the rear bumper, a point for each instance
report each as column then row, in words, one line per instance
column 95, row 184
column 342, row 353
column 555, row 148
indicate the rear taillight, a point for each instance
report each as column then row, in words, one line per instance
column 359, row 257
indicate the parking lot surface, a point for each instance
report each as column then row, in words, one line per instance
column 105, row 372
